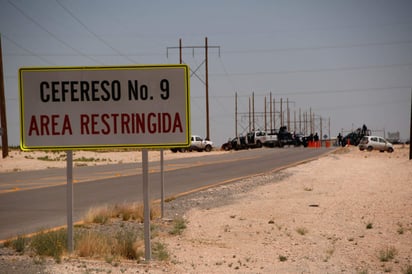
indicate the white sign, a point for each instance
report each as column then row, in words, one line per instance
column 101, row 107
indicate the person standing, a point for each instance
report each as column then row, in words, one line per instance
column 339, row 139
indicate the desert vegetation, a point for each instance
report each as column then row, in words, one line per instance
column 109, row 233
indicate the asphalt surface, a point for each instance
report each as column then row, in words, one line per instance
column 38, row 199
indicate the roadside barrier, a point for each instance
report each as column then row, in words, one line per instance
column 314, row 144
column 319, row 144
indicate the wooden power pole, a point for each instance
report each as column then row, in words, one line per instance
column 3, row 129
column 206, row 48
column 410, row 132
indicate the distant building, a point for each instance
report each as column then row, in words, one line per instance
column 394, row 137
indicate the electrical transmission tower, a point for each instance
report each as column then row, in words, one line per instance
column 205, row 81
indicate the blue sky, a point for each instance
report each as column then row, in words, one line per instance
column 349, row 62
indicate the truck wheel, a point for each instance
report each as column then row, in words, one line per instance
column 174, row 150
column 208, row 148
column 259, row 144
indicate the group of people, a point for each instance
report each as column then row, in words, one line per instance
column 359, row 132
column 313, row 137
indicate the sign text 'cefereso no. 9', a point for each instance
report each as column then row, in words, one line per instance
column 101, row 107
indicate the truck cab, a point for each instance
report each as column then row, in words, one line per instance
column 196, row 143
column 199, row 144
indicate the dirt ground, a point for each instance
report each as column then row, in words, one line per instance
column 347, row 212
column 332, row 215
column 35, row 160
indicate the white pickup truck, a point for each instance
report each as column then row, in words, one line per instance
column 196, row 143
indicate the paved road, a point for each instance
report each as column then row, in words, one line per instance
column 38, row 198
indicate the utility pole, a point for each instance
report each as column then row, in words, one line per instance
column 266, row 128
column 274, row 114
column 320, row 129
column 305, row 125
column 206, row 48
column 253, row 111
column 207, row 91
column 329, row 128
column 294, row 121
column 250, row 119
column 3, row 128
column 310, row 123
column 288, row 113
column 281, row 112
column 270, row 110
column 410, row 132
column 236, row 114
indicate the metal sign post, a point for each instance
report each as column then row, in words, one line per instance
column 146, row 204
column 69, row 193
column 162, row 185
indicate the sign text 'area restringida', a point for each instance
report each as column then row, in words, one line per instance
column 101, row 107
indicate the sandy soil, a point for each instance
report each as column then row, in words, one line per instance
column 332, row 215
column 338, row 214
column 35, row 160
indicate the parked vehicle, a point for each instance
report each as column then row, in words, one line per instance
column 375, row 143
column 286, row 138
column 262, row 138
column 255, row 138
column 236, row 144
column 196, row 143
column 301, row 140
column 353, row 138
column 259, row 138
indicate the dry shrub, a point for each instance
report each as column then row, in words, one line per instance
column 136, row 211
column 155, row 211
column 91, row 244
column 126, row 244
column 129, row 211
column 302, row 230
column 133, row 211
column 179, row 224
column 387, row 254
column 139, row 248
column 99, row 215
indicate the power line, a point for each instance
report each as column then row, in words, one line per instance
column 52, row 34
column 355, row 106
column 312, row 92
column 344, row 46
column 241, row 74
column 27, row 50
column 93, row 33
column 253, row 51
column 326, row 28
